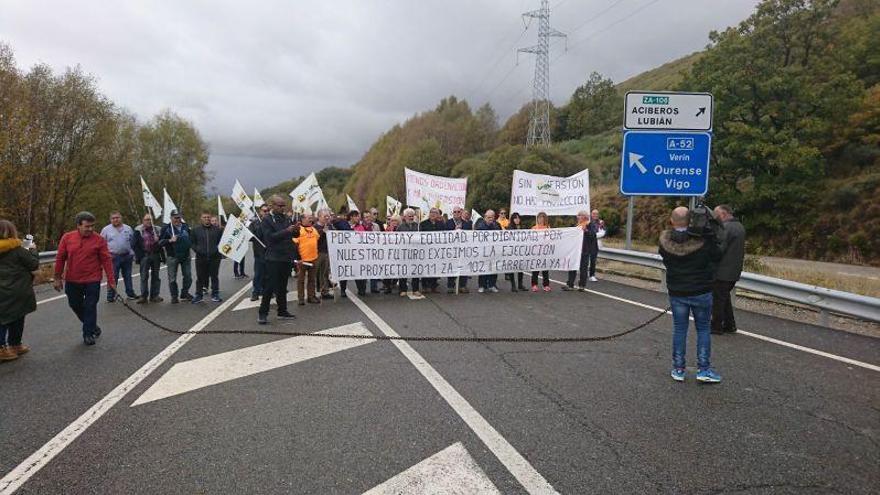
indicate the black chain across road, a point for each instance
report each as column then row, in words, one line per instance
column 430, row 338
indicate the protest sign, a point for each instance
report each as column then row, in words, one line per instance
column 150, row 201
column 384, row 255
column 234, row 242
column 531, row 194
column 307, row 196
column 430, row 191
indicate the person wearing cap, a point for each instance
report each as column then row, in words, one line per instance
column 175, row 239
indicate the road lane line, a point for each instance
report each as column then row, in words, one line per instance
column 14, row 479
column 758, row 336
column 518, row 466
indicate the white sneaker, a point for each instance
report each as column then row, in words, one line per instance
column 493, row 290
column 481, row 290
column 594, row 279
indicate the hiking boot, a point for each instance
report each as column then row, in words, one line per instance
column 89, row 340
column 174, row 300
column 7, row 354
column 19, row 349
column 286, row 316
column 156, row 299
column 142, row 300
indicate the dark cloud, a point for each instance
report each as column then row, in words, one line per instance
column 283, row 88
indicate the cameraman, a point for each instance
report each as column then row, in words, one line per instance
column 733, row 245
column 689, row 258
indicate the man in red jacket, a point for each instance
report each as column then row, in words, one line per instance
column 85, row 255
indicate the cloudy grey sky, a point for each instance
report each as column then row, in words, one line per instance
column 282, row 88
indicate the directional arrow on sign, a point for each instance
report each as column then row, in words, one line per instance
column 701, row 111
column 634, row 159
column 450, row 471
column 211, row 370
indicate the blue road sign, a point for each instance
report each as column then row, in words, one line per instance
column 667, row 163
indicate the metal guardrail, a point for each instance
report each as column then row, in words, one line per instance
column 824, row 300
column 47, row 257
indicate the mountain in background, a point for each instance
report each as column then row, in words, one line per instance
column 796, row 148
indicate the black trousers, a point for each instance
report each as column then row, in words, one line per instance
column 208, row 269
column 545, row 275
column 586, row 268
column 277, row 275
column 722, row 307
column 404, row 288
column 10, row 333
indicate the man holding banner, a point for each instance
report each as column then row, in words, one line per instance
column 457, row 222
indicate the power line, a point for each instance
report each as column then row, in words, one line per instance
column 609, row 26
column 499, row 59
column 593, row 18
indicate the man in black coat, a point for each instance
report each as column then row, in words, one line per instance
column 278, row 232
column 205, row 239
column 690, row 262
column 434, row 223
column 733, row 245
column 256, row 228
column 458, row 223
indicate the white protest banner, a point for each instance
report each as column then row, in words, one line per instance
column 531, row 194
column 167, row 206
column 234, row 242
column 150, row 201
column 242, row 200
column 258, row 198
column 351, row 205
column 384, row 255
column 307, row 195
column 221, row 212
column 392, row 207
column 430, row 191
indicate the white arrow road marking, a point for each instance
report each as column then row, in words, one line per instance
column 452, row 471
column 634, row 159
column 211, row 370
column 519, row 467
column 248, row 304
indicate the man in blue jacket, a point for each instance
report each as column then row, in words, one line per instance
column 175, row 239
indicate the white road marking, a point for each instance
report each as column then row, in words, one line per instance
column 783, row 343
column 14, row 479
column 248, row 304
column 191, row 375
column 518, row 466
column 452, row 471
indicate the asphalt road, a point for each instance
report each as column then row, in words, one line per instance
column 146, row 411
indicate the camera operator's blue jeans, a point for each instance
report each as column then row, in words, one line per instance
column 682, row 307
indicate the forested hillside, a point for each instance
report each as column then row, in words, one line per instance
column 796, row 148
column 65, row 147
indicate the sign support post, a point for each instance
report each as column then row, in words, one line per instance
column 629, row 223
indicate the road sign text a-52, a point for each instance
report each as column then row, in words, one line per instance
column 660, row 110
column 669, row 163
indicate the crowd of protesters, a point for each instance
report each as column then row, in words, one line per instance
column 700, row 275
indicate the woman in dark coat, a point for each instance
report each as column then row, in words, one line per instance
column 17, row 297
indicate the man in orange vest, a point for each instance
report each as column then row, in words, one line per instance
column 307, row 242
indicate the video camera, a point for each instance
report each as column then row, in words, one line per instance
column 703, row 222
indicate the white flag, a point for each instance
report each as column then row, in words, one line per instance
column 242, row 200
column 234, row 242
column 221, row 213
column 475, row 215
column 258, row 199
column 168, row 206
column 351, row 205
column 392, row 207
column 150, row 201
column 307, row 195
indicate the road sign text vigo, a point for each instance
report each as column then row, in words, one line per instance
column 665, row 163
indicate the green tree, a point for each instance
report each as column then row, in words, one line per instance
column 595, row 107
